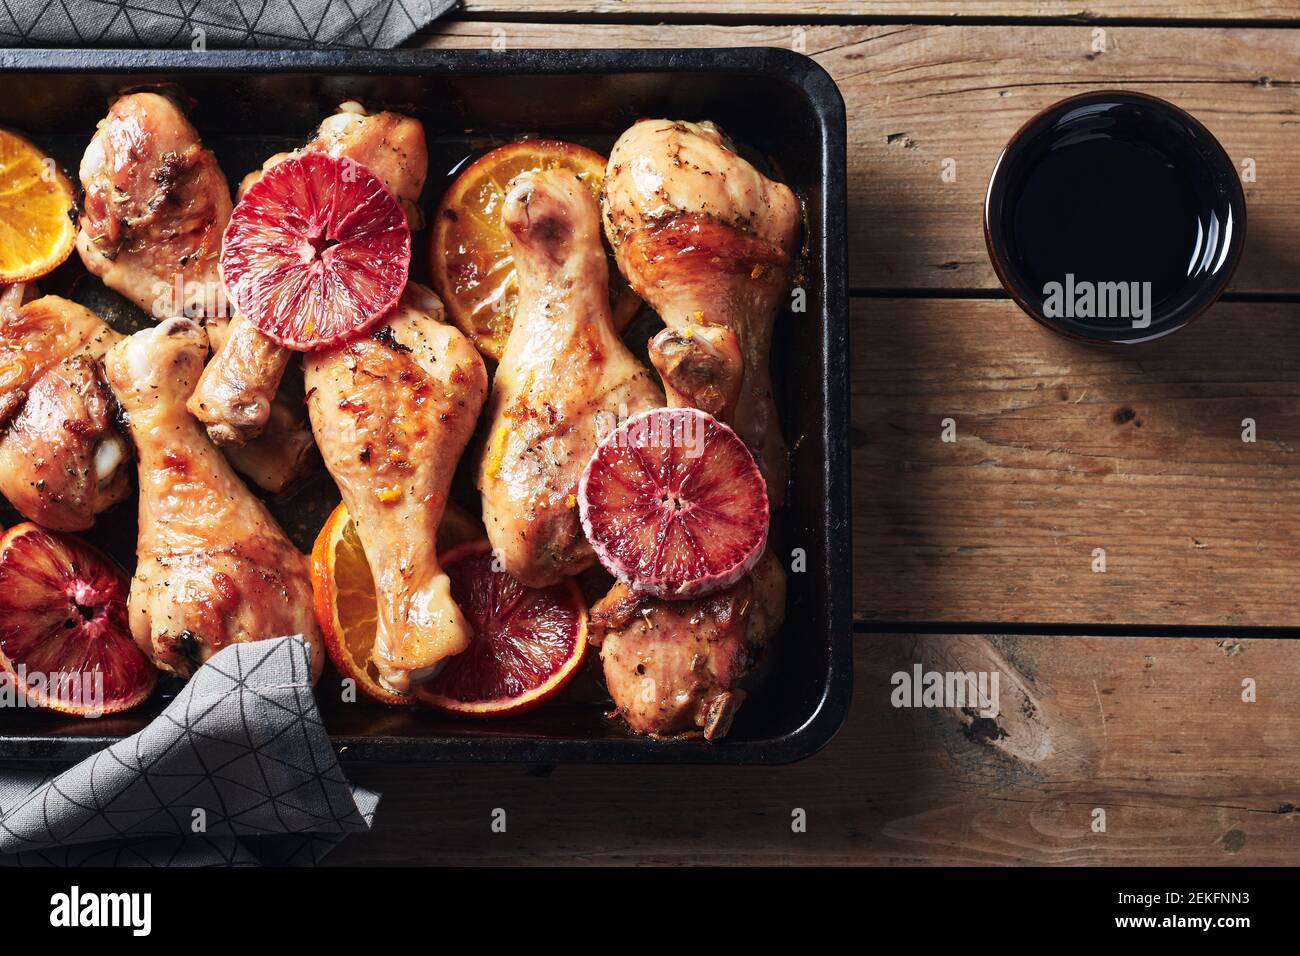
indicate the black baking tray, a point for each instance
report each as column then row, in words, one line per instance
column 783, row 109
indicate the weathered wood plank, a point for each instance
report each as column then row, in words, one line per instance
column 1154, row 732
column 1062, row 449
column 919, row 97
column 1064, row 9
column 925, row 96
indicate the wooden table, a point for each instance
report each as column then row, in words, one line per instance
column 1121, row 691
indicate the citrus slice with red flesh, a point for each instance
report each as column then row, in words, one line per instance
column 674, row 504
column 65, row 641
column 469, row 251
column 316, row 251
column 37, row 232
column 527, row 641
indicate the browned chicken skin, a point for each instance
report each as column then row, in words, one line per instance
column 36, row 335
column 234, row 395
column 393, row 412
column 388, row 144
column 62, row 461
column 676, row 667
column 706, row 239
column 213, row 566
column 564, row 378
column 156, row 206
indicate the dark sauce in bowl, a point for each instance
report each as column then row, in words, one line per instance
column 1114, row 217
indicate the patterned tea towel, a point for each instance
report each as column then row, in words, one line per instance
column 285, row 24
column 236, row 771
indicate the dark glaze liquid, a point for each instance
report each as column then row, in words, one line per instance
column 1108, row 189
column 1105, row 209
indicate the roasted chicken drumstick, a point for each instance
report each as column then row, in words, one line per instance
column 706, row 239
column 62, row 461
column 235, row 393
column 676, row 667
column 156, row 206
column 564, row 379
column 213, row 566
column 392, row 413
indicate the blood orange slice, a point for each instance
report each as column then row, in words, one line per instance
column 674, row 504
column 527, row 642
column 316, row 251
column 64, row 638
column 469, row 252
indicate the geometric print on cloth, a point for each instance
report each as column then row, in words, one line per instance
column 281, row 24
column 243, row 742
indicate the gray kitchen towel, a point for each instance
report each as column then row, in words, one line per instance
column 282, row 24
column 237, row 770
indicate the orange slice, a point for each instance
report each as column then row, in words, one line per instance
column 469, row 252
column 343, row 591
column 674, row 505
column 36, row 211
